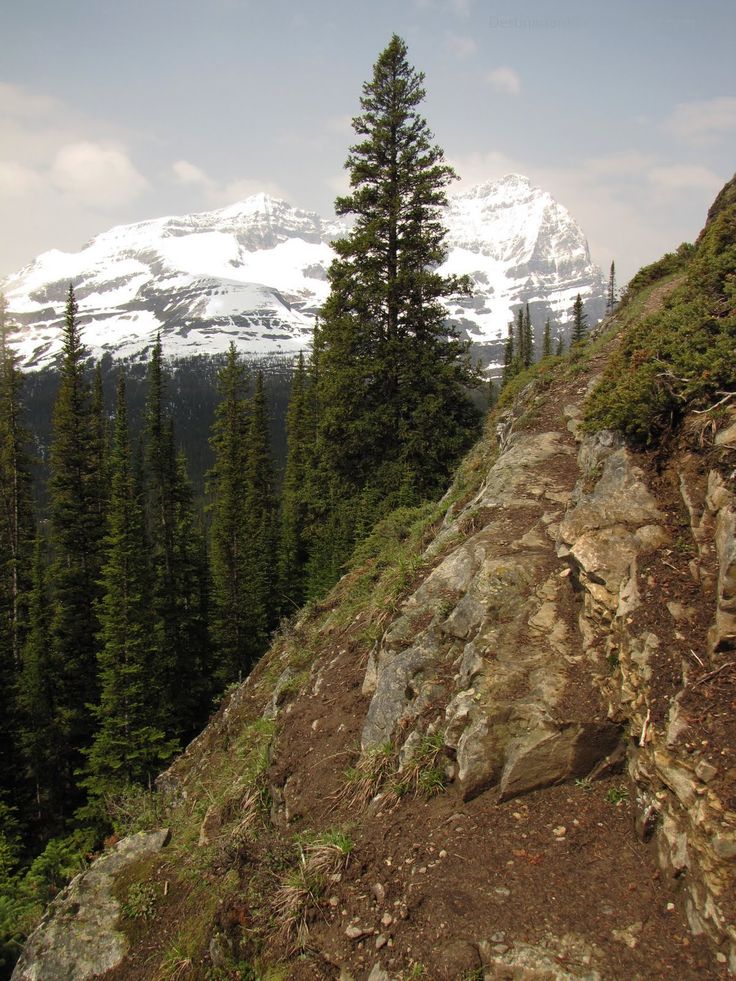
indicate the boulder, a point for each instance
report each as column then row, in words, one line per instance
column 78, row 937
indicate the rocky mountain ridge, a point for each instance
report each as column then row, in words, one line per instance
column 500, row 748
column 255, row 273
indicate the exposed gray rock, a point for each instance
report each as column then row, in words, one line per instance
column 572, row 750
column 459, row 959
column 378, row 974
column 78, row 937
column 526, row 962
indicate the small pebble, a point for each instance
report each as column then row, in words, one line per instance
column 443, row 853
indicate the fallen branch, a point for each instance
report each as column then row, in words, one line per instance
column 643, row 736
column 712, row 674
column 726, row 397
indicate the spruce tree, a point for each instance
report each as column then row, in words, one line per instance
column 37, row 688
column 527, row 338
column 180, row 640
column 579, row 322
column 159, row 484
column 611, row 292
column 227, row 486
column 547, row 341
column 260, row 523
column 393, row 413
column 292, row 556
column 76, row 536
column 126, row 746
column 509, row 357
column 16, row 535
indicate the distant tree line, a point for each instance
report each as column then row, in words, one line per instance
column 519, row 349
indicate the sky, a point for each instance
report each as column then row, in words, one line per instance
column 113, row 111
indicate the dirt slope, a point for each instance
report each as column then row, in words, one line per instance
column 501, row 748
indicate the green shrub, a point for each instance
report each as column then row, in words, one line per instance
column 680, row 357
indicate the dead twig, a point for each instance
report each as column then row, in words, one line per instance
column 726, row 397
column 712, row 674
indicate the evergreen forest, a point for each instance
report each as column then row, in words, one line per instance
column 129, row 601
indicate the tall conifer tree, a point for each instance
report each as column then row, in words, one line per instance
column 611, row 291
column 579, row 321
column 180, row 641
column 547, row 340
column 126, row 746
column 509, row 356
column 393, row 414
column 16, row 535
column 260, row 517
column 293, row 518
column 76, row 545
column 527, row 346
column 229, row 537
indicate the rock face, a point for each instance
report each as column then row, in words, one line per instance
column 78, row 937
column 502, row 599
column 608, row 532
column 537, row 602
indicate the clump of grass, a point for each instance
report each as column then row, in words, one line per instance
column 424, row 773
column 297, row 895
column 134, row 808
column 364, row 780
column 328, row 853
column 300, row 891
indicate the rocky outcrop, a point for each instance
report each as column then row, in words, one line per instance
column 79, row 938
column 607, row 533
column 500, row 601
column 536, row 593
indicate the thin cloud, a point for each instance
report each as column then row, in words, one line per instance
column 16, row 100
column 684, row 177
column 461, row 46
column 702, row 121
column 97, row 176
column 217, row 194
column 504, row 79
column 18, row 181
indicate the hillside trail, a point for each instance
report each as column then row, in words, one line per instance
column 551, row 882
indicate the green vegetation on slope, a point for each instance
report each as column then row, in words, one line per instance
column 680, row 357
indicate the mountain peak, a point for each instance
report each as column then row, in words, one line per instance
column 255, row 272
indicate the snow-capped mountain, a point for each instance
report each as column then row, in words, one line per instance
column 256, row 273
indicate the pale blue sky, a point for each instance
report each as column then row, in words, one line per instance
column 117, row 110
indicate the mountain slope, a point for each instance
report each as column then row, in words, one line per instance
column 255, row 273
column 501, row 747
